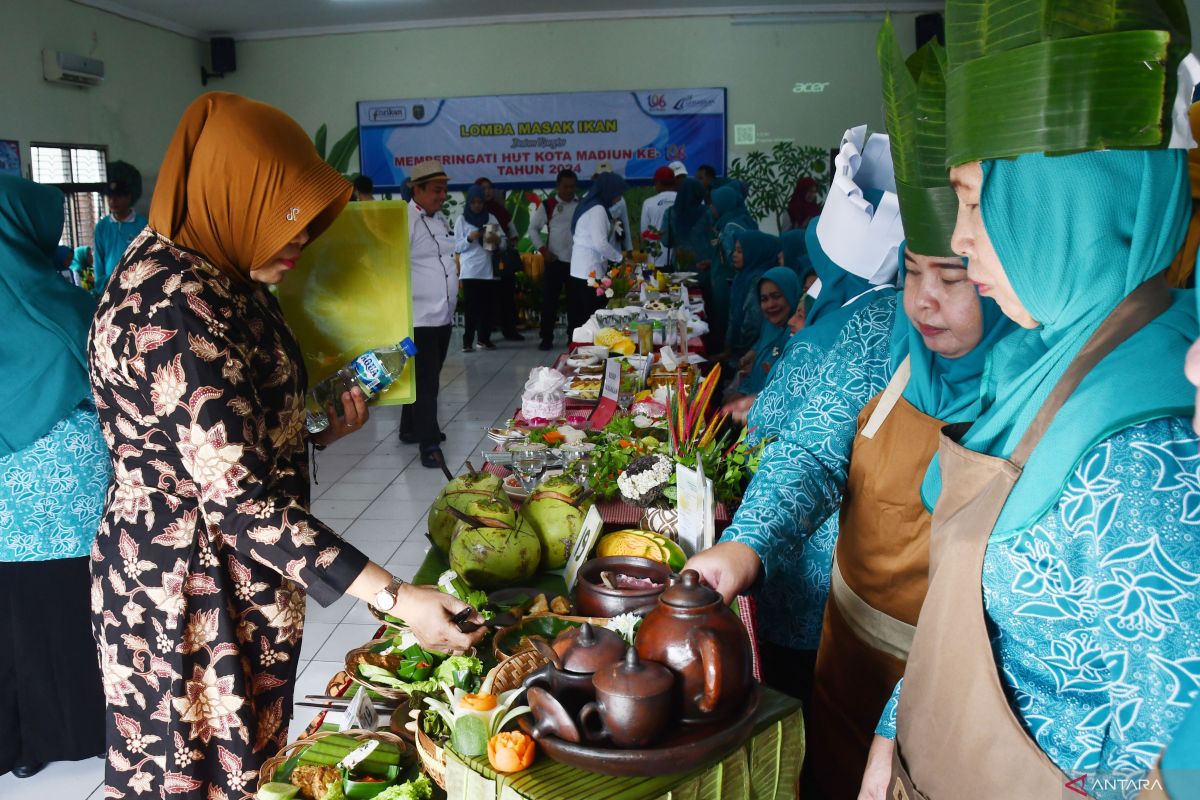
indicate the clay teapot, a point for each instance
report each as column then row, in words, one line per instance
column 703, row 642
column 575, row 655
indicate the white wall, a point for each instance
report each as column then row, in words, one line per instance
column 151, row 77
column 318, row 79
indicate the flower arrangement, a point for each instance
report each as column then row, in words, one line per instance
column 617, row 282
column 652, row 239
column 643, row 481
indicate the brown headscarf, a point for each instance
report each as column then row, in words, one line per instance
column 239, row 181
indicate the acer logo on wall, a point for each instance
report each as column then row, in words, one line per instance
column 810, row 88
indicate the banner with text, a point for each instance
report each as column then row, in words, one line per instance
column 526, row 139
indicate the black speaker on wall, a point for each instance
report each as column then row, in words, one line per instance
column 222, row 56
column 929, row 26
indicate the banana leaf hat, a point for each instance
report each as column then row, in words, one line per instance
column 1066, row 76
column 914, row 100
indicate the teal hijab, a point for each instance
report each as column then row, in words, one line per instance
column 795, row 253
column 947, row 389
column 772, row 339
column 731, row 209
column 1073, row 249
column 43, row 359
column 1181, row 761
column 760, row 252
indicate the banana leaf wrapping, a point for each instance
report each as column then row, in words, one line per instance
column 914, row 97
column 1060, row 76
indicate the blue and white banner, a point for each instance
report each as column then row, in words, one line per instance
column 525, row 139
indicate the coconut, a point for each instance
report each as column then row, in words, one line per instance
column 496, row 551
column 459, row 494
column 551, row 512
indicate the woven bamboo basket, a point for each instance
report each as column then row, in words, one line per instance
column 360, row 655
column 510, row 674
column 433, row 758
column 269, row 767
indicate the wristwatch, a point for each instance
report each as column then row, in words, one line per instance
column 385, row 598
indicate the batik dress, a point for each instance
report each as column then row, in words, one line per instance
column 789, row 516
column 207, row 547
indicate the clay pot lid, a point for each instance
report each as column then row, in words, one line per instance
column 635, row 678
column 587, row 649
column 688, row 592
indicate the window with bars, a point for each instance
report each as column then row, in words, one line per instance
column 81, row 172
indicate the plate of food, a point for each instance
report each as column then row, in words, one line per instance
column 680, row 277
column 503, row 435
column 595, row 369
column 584, row 360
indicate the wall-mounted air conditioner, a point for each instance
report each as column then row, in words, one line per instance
column 71, row 69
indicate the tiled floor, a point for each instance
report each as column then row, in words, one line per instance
column 375, row 492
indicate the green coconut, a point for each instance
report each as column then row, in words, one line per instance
column 497, row 552
column 459, row 494
column 551, row 513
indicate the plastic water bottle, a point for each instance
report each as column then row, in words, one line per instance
column 373, row 373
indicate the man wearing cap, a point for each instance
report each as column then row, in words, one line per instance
column 555, row 215
column 679, row 170
column 121, row 225
column 434, row 294
column 654, row 211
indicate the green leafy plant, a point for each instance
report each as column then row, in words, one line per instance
column 341, row 152
column 772, row 177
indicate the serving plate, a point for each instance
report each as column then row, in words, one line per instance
column 685, row 748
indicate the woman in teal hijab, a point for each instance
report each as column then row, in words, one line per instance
column 1095, row 546
column 54, row 471
column 779, row 292
column 729, row 207
column 750, row 253
column 795, row 254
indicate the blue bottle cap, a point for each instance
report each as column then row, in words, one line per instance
column 409, row 348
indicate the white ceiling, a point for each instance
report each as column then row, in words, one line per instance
column 269, row 19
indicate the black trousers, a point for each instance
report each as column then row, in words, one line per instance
column 505, row 304
column 51, row 695
column 554, row 280
column 479, row 298
column 419, row 419
column 582, row 302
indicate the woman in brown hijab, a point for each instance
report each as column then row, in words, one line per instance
column 207, row 547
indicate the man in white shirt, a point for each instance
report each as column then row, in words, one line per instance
column 434, row 295
column 654, row 212
column 555, row 215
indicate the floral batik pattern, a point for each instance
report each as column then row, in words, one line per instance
column 206, row 548
column 51, row 493
column 1093, row 610
column 789, row 515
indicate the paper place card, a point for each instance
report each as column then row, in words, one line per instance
column 589, row 533
column 360, row 713
column 691, row 496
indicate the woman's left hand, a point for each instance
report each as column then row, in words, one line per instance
column 354, row 414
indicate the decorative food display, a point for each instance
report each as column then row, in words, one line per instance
column 632, row 670
column 343, row 767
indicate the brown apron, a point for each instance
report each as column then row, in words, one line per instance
column 957, row 735
column 880, row 573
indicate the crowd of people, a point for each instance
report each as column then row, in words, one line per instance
column 972, row 537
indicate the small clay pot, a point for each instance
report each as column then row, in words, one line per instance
column 633, row 703
column 594, row 599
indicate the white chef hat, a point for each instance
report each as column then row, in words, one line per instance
column 860, row 236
